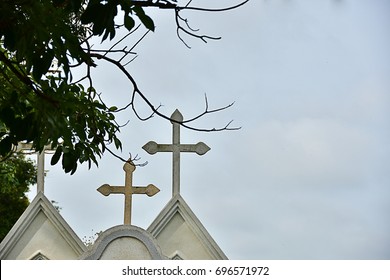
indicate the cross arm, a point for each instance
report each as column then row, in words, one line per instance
column 149, row 190
column 199, row 148
column 152, row 147
column 106, row 189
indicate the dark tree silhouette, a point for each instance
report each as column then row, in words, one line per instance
column 43, row 43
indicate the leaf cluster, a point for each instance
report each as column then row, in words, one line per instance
column 42, row 42
column 72, row 120
column 102, row 14
column 16, row 175
column 37, row 31
column 42, row 106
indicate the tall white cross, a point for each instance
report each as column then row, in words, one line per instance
column 128, row 190
column 176, row 148
column 40, row 163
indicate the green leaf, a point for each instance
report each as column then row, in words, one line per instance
column 110, row 30
column 9, row 39
column 148, row 22
column 129, row 22
column 111, row 117
column 145, row 19
column 118, row 143
column 5, row 146
column 99, row 105
column 42, row 63
column 7, row 115
column 75, row 4
column 90, row 12
column 69, row 162
column 56, row 157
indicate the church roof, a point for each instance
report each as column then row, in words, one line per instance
column 181, row 235
column 41, row 233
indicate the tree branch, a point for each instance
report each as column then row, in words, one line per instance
column 27, row 81
column 190, row 31
column 213, row 10
column 155, row 110
column 163, row 4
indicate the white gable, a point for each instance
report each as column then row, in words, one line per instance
column 124, row 242
column 181, row 235
column 41, row 233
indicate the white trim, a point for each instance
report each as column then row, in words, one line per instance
column 39, row 257
column 118, row 232
column 40, row 204
column 178, row 205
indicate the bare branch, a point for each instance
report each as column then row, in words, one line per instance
column 143, row 36
column 165, row 4
column 191, row 31
column 129, row 160
column 113, row 51
column 213, row 10
column 186, row 22
column 130, row 61
column 123, row 38
column 207, row 111
column 161, row 4
column 155, row 110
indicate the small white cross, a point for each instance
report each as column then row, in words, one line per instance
column 40, row 163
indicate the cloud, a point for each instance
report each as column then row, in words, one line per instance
column 311, row 152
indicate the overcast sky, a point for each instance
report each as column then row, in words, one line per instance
column 307, row 176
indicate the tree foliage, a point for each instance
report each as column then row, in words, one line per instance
column 16, row 175
column 42, row 42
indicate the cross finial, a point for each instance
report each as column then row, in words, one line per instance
column 128, row 190
column 40, row 163
column 176, row 148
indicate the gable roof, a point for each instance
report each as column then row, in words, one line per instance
column 41, row 233
column 181, row 235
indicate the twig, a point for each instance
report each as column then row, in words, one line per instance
column 191, row 32
column 155, row 110
column 213, row 10
column 123, row 38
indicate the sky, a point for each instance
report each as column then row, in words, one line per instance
column 307, row 175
